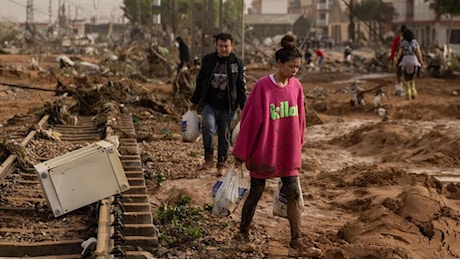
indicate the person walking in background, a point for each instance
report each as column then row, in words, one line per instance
column 220, row 90
column 184, row 54
column 411, row 62
column 347, row 52
column 394, row 49
column 270, row 143
column 308, row 56
column 319, row 58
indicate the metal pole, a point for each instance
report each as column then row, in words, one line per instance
column 242, row 30
column 221, row 18
column 193, row 45
column 156, row 19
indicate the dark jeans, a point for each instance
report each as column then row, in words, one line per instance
column 215, row 120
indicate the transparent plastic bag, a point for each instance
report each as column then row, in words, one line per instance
column 228, row 191
column 190, row 126
column 280, row 201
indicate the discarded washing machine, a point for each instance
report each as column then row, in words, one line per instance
column 82, row 177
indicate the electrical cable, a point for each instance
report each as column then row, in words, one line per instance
column 27, row 87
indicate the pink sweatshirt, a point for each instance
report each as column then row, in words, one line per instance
column 272, row 129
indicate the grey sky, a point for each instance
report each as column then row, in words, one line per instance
column 104, row 10
column 15, row 10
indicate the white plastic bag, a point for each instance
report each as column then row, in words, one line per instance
column 235, row 132
column 228, row 191
column 280, row 201
column 190, row 126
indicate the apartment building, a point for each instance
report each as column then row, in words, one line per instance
column 269, row 7
column 317, row 10
column 429, row 28
column 331, row 18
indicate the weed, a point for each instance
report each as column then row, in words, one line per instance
column 167, row 135
column 193, row 154
column 159, row 178
column 180, row 223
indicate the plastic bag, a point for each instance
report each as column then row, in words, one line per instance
column 228, row 191
column 280, row 201
column 235, row 132
column 190, row 126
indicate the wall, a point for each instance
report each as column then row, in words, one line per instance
column 274, row 6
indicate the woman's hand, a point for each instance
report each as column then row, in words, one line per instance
column 238, row 162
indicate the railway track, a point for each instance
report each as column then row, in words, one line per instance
column 121, row 225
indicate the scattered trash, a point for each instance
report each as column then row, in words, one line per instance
column 89, row 245
column 381, row 111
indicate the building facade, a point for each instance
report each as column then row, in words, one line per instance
column 269, row 7
column 430, row 29
column 331, row 18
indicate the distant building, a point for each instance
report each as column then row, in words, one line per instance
column 430, row 29
column 305, row 7
column 317, row 10
column 330, row 17
column 269, row 7
column 269, row 25
column 339, row 23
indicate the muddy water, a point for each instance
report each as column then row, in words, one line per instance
column 363, row 78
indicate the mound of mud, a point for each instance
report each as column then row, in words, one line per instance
column 399, row 215
column 405, row 142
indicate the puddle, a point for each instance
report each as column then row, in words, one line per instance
column 365, row 77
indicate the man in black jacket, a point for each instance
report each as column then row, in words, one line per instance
column 220, row 90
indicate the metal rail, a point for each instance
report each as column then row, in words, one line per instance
column 124, row 225
column 6, row 168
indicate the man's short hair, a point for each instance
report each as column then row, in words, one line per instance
column 223, row 37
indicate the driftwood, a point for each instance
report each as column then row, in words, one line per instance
column 162, row 59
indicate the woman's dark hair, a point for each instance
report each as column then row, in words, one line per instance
column 408, row 35
column 288, row 49
column 403, row 28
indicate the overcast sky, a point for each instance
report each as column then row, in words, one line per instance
column 15, row 10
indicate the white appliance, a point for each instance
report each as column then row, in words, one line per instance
column 82, row 177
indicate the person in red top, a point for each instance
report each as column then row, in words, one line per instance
column 319, row 57
column 394, row 49
column 270, row 143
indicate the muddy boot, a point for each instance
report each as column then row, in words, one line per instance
column 220, row 171
column 247, row 213
column 407, row 90
column 302, row 248
column 209, row 162
column 413, row 89
column 299, row 247
column 243, row 242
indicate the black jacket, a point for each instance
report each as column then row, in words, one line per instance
column 236, row 72
column 184, row 54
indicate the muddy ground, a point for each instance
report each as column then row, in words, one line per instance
column 373, row 186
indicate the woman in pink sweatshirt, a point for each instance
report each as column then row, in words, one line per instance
column 271, row 138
